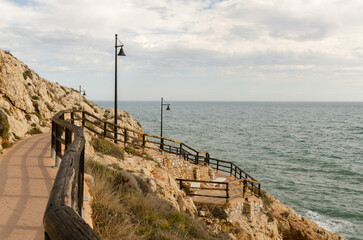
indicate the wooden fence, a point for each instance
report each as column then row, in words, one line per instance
column 62, row 218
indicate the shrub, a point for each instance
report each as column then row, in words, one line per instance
column 106, row 147
column 16, row 136
column 265, row 199
column 34, row 130
column 7, row 111
column 27, row 73
column 35, row 97
column 4, row 126
column 6, row 144
column 8, row 52
column 270, row 216
column 27, row 117
column 285, row 214
column 50, row 108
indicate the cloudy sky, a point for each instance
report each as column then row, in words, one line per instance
column 232, row 50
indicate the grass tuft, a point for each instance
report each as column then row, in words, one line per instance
column 34, row 130
column 106, row 147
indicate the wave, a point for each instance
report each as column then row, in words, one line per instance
column 333, row 225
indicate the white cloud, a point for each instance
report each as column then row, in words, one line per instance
column 215, row 39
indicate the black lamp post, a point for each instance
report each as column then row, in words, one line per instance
column 82, row 91
column 121, row 53
column 161, row 122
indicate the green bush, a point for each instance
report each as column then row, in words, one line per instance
column 50, row 108
column 106, row 147
column 35, row 97
column 7, row 111
column 34, row 130
column 4, row 125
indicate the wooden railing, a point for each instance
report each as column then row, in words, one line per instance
column 62, row 218
column 63, row 215
column 227, row 190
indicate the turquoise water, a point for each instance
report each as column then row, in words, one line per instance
column 308, row 155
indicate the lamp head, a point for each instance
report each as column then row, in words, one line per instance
column 168, row 108
column 84, row 93
column 121, row 53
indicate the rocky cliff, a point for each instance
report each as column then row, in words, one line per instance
column 28, row 102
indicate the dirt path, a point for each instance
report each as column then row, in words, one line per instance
column 26, row 178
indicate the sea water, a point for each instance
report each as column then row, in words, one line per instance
column 308, row 155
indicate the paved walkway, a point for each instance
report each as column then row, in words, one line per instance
column 26, row 178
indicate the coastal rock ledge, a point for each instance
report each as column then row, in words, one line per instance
column 27, row 104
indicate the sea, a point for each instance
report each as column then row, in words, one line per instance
column 309, row 155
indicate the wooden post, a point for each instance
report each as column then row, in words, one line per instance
column 53, row 140
column 72, row 117
column 230, row 171
column 83, row 119
column 181, row 150
column 197, row 159
column 217, row 165
column 259, row 190
column 125, row 138
column 180, row 184
column 143, row 142
column 58, row 145
column 68, row 138
column 162, row 144
column 227, row 191
column 104, row 129
column 206, row 159
column 80, row 182
column 244, row 187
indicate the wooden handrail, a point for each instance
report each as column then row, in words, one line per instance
column 62, row 218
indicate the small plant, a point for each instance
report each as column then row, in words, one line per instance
column 16, row 136
column 7, row 111
column 270, row 216
column 50, row 108
column 33, row 124
column 8, row 52
column 6, row 144
column 34, row 130
column 105, row 147
column 27, row 73
column 38, row 115
column 266, row 200
column 4, row 126
column 29, row 84
column 285, row 214
column 35, row 97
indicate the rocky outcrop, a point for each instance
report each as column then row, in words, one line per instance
column 30, row 101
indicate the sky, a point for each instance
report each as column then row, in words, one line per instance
column 192, row 50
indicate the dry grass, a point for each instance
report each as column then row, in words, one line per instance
column 124, row 208
column 106, row 147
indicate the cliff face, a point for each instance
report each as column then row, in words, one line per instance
column 28, row 102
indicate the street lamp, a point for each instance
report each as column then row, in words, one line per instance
column 82, row 91
column 161, row 122
column 121, row 53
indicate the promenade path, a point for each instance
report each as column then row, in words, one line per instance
column 26, row 179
